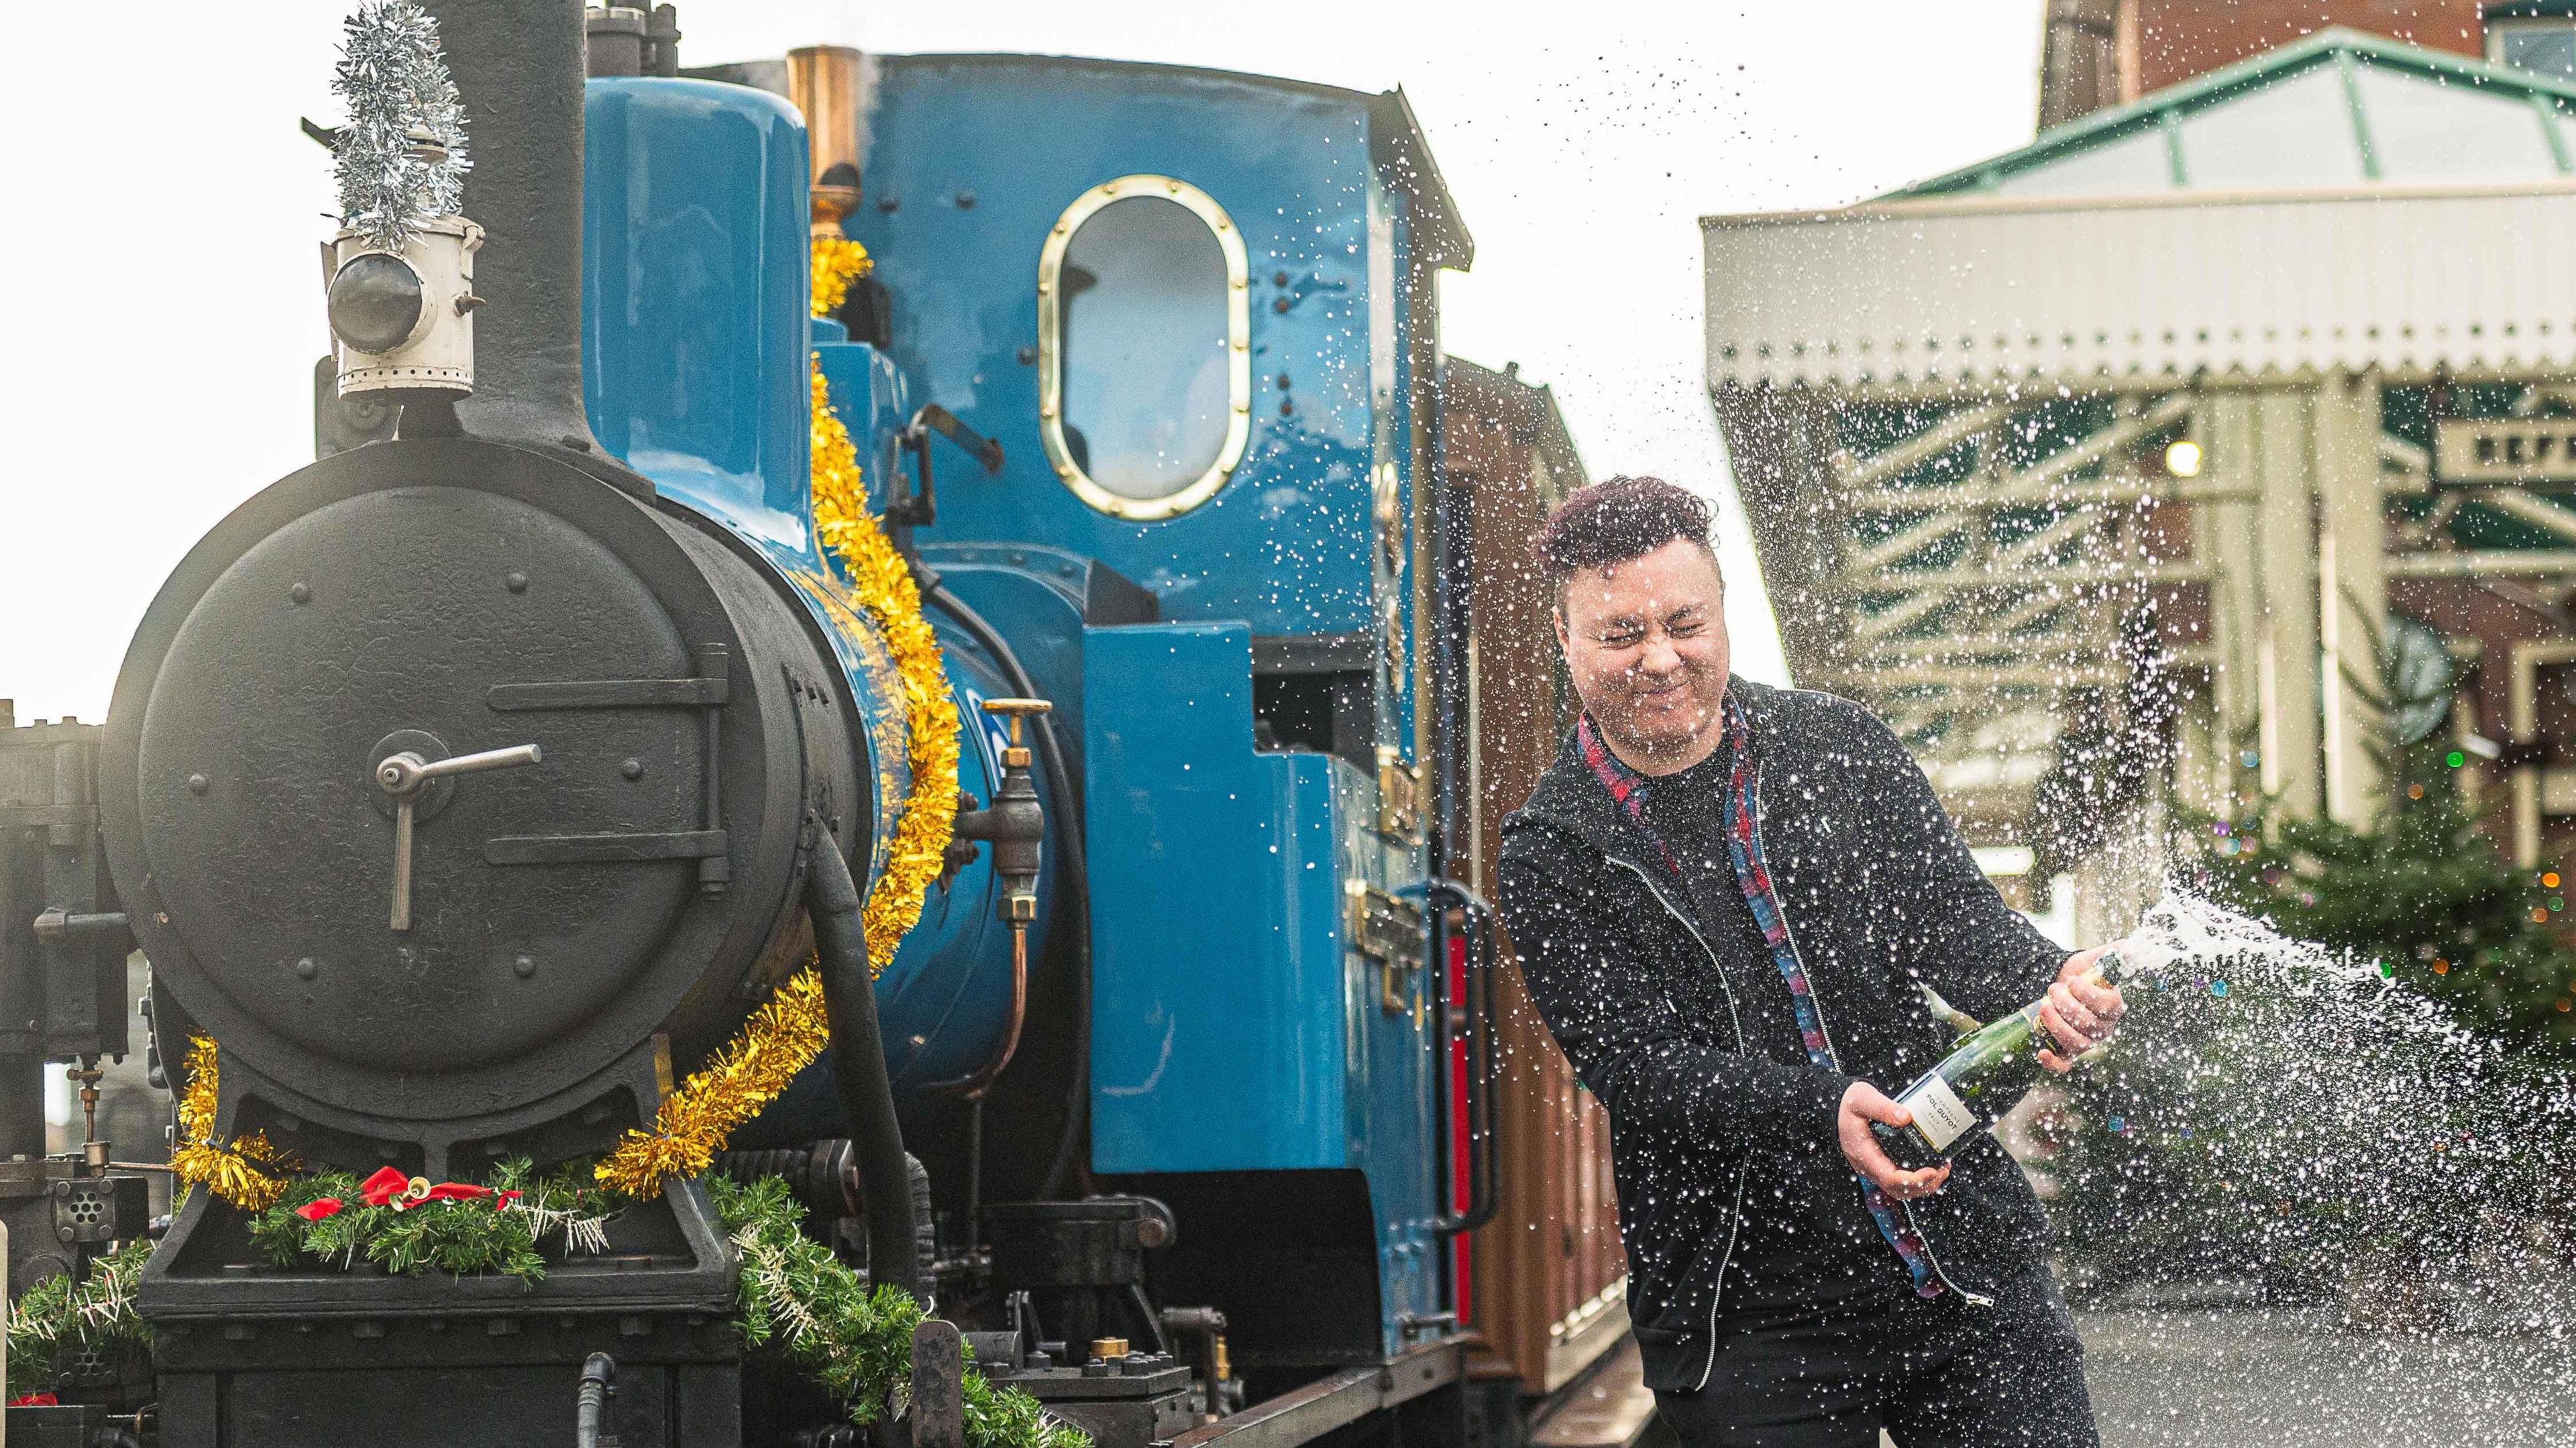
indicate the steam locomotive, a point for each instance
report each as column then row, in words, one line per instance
column 472, row 787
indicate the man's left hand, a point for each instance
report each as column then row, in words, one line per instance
column 2080, row 1012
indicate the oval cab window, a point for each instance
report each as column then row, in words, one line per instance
column 1144, row 361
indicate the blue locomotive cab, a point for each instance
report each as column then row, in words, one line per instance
column 1197, row 310
column 1196, row 314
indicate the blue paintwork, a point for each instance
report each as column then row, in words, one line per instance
column 1233, row 1029
column 1284, row 545
column 1218, row 1042
column 869, row 396
column 694, row 282
column 696, row 347
column 1233, row 1026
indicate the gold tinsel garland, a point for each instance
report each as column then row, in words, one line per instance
column 881, row 582
column 781, row 1038
column 837, row 263
column 785, row 1035
column 244, row 1173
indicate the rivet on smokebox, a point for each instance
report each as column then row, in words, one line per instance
column 301, row 593
column 515, row 581
column 306, row 969
column 199, row 784
column 632, row 769
column 525, row 966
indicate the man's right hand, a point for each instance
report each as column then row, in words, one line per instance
column 1863, row 1104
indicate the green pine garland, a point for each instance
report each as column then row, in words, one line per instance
column 96, row 1313
column 798, row 1299
column 460, row 1238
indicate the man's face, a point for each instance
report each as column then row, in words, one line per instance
column 1645, row 642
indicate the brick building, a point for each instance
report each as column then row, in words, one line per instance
column 2104, row 53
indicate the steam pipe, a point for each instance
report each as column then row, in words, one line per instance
column 518, row 70
column 975, row 1083
column 859, row 1065
column 1015, row 824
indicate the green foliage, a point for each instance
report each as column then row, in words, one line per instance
column 798, row 1300
column 460, row 1238
column 2423, row 891
column 97, row 1312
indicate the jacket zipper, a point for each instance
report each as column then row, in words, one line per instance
column 1744, row 1169
column 1831, row 1054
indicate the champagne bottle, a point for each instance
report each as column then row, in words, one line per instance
column 1984, row 1074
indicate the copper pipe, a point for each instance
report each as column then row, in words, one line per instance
column 826, row 83
column 975, row 1083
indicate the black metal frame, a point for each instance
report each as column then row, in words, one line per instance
column 921, row 509
column 1484, row 1062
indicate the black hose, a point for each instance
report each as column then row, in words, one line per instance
column 1077, row 879
column 859, row 1064
column 598, row 1381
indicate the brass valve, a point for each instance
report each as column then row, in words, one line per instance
column 1015, row 822
column 86, row 1075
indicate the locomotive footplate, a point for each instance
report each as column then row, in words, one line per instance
column 1419, row 1384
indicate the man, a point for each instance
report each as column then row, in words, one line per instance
column 1726, row 899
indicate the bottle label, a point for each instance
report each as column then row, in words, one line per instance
column 1938, row 1112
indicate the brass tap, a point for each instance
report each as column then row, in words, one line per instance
column 1015, row 822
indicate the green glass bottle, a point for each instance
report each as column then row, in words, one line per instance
column 1984, row 1074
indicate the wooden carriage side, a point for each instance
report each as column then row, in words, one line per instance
column 1547, row 1277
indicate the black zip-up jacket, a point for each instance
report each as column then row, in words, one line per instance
column 1879, row 892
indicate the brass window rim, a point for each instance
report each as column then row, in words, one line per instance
column 1238, row 328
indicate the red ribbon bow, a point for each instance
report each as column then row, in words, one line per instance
column 36, row 1400
column 384, row 1186
column 320, row 1207
column 389, row 1187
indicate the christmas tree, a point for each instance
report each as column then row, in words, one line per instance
column 2422, row 891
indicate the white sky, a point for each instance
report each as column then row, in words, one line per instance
column 166, row 288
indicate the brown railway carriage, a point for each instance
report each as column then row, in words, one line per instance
column 1546, row 1275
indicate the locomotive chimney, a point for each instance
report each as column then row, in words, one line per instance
column 518, row 70
column 825, row 81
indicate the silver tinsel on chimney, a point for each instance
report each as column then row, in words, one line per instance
column 400, row 158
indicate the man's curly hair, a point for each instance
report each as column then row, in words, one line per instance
column 1615, row 520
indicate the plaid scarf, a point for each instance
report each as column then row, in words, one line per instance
column 1753, row 875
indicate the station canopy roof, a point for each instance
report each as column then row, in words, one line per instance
column 2342, row 201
